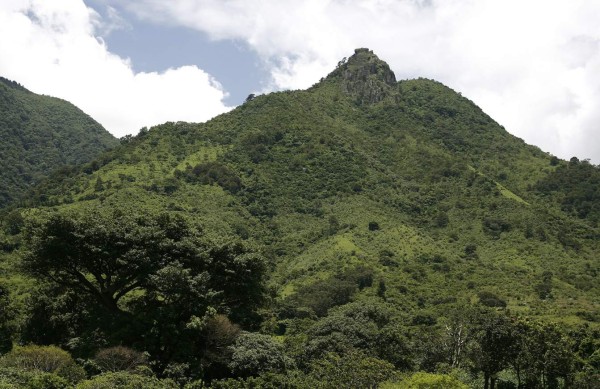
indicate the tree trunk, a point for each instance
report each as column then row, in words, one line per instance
column 486, row 380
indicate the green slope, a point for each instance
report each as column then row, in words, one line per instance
column 360, row 189
column 304, row 173
column 40, row 134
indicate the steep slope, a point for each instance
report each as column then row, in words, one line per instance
column 40, row 134
column 407, row 179
column 391, row 213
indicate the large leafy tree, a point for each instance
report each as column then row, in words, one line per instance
column 108, row 255
column 152, row 281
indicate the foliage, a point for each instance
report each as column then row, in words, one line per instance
column 119, row 358
column 50, row 366
column 253, row 354
column 6, row 317
column 212, row 173
column 112, row 257
column 49, row 359
column 400, row 227
column 124, row 380
column 576, row 186
column 352, row 370
column 422, row 380
column 40, row 134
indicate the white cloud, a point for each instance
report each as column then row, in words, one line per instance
column 532, row 65
column 51, row 48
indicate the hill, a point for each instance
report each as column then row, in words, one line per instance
column 394, row 220
column 40, row 134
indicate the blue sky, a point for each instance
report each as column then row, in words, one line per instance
column 532, row 66
column 154, row 47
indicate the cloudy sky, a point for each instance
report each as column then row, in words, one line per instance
column 533, row 65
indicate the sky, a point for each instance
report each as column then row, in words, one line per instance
column 533, row 65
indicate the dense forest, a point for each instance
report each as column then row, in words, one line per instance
column 366, row 232
column 40, row 134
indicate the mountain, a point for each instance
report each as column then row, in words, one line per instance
column 396, row 219
column 40, row 134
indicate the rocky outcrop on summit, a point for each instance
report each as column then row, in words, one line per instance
column 365, row 77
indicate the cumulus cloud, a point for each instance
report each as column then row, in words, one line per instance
column 51, row 47
column 531, row 65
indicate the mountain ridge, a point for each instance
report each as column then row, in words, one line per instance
column 387, row 213
column 40, row 134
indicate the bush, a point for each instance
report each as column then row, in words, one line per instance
column 48, row 381
column 373, row 226
column 423, row 380
column 255, row 353
column 495, row 227
column 353, row 370
column 489, row 299
column 44, row 358
column 18, row 378
column 212, row 173
column 323, row 295
column 119, row 358
column 47, row 359
column 125, row 380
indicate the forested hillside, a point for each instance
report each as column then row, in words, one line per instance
column 41, row 134
column 365, row 232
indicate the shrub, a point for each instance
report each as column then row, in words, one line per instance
column 255, row 353
column 495, row 227
column 489, row 299
column 13, row 378
column 324, row 294
column 44, row 358
column 353, row 370
column 119, row 358
column 423, row 380
column 125, row 380
column 47, row 359
column 373, row 226
column 212, row 173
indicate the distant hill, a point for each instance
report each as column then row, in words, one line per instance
column 397, row 220
column 40, row 134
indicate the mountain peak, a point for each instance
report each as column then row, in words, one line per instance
column 364, row 76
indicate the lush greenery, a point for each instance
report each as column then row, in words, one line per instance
column 40, row 134
column 365, row 232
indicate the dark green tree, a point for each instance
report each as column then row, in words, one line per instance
column 496, row 346
column 151, row 282
column 107, row 255
column 6, row 318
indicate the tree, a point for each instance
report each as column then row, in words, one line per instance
column 6, row 317
column 255, row 353
column 107, row 255
column 119, row 358
column 155, row 278
column 496, row 346
column 545, row 355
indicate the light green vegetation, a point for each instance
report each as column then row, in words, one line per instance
column 389, row 215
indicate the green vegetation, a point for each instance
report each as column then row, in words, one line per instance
column 41, row 134
column 365, row 232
